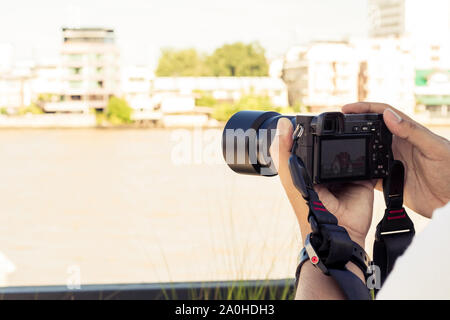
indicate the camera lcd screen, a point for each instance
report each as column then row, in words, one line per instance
column 342, row 158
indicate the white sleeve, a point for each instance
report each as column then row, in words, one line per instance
column 423, row 271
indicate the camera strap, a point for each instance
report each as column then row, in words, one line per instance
column 395, row 231
column 329, row 246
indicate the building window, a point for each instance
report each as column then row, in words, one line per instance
column 75, row 71
column 96, row 97
column 75, row 84
column 75, row 98
column 75, row 57
column 100, row 84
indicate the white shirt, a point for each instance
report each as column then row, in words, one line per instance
column 423, row 271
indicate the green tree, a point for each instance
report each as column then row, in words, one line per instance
column 181, row 63
column 238, row 60
column 32, row 108
column 224, row 111
column 118, row 111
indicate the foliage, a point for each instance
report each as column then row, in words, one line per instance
column 237, row 59
column 182, row 63
column 3, row 111
column 223, row 111
column 118, row 111
column 47, row 97
column 206, row 100
column 32, row 108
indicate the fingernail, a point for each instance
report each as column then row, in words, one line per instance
column 394, row 116
column 282, row 127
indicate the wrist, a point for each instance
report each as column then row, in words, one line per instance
column 359, row 239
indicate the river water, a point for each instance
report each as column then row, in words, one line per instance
column 122, row 206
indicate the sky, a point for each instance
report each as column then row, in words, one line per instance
column 143, row 27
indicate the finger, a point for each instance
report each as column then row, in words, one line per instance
column 365, row 107
column 370, row 107
column 419, row 136
column 280, row 151
column 280, row 148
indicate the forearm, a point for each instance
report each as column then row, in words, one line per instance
column 314, row 285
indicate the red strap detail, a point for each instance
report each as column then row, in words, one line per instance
column 397, row 217
column 321, row 209
column 318, row 203
column 396, row 211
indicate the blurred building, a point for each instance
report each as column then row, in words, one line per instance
column 90, row 72
column 323, row 75
column 412, row 18
column 425, row 23
column 6, row 57
column 135, row 87
column 432, row 92
column 15, row 92
column 46, row 83
column 327, row 75
column 16, row 87
column 386, row 72
column 177, row 94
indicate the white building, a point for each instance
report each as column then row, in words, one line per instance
column 323, row 75
column 416, row 18
column 90, row 69
column 16, row 87
column 6, row 57
column 15, row 92
column 425, row 23
column 136, row 87
column 386, row 72
column 46, row 82
column 177, row 94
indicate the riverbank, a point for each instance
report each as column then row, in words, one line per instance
column 85, row 121
column 89, row 121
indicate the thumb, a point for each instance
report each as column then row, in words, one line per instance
column 411, row 131
column 280, row 149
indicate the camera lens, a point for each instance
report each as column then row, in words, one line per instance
column 246, row 140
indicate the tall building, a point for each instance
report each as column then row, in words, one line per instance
column 413, row 18
column 425, row 23
column 90, row 69
column 386, row 18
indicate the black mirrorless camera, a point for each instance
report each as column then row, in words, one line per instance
column 333, row 146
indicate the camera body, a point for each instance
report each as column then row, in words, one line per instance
column 338, row 147
column 333, row 146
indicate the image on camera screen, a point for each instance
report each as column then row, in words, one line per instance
column 343, row 158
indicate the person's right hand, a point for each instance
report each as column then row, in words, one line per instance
column 425, row 155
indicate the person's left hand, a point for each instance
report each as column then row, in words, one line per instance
column 351, row 203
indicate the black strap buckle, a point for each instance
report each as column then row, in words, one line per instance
column 395, row 231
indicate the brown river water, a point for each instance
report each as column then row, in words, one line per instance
column 132, row 206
